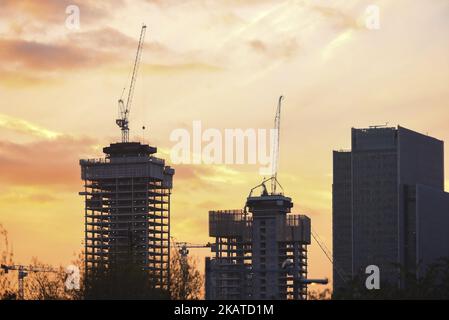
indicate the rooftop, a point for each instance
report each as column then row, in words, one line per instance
column 129, row 149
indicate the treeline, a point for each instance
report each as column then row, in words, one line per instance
column 433, row 284
column 124, row 282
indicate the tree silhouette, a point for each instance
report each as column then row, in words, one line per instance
column 433, row 284
column 8, row 284
column 186, row 282
column 325, row 294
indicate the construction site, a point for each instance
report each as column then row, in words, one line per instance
column 261, row 250
column 127, row 208
column 127, row 203
column 260, row 254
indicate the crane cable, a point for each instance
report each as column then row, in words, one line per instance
column 327, row 253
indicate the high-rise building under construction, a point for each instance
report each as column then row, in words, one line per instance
column 260, row 252
column 127, row 203
column 127, row 210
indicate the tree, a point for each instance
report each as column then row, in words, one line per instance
column 37, row 285
column 186, row 282
column 8, row 284
column 325, row 294
column 45, row 285
column 432, row 284
column 126, row 279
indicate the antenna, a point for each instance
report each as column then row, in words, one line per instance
column 124, row 109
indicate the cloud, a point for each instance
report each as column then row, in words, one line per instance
column 177, row 68
column 227, row 3
column 209, row 205
column 285, row 49
column 45, row 162
column 25, row 127
column 337, row 16
column 54, row 11
column 205, row 177
column 336, row 43
column 20, row 79
column 26, row 194
column 191, row 172
column 106, row 38
column 48, row 57
column 25, row 62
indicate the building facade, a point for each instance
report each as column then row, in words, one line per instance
column 389, row 204
column 127, row 210
column 260, row 252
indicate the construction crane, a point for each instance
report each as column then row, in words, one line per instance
column 328, row 255
column 276, row 147
column 183, row 249
column 125, row 108
column 185, row 246
column 22, row 273
column 275, row 153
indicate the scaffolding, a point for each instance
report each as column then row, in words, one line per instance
column 127, row 211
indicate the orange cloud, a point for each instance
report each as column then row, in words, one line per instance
column 48, row 57
column 25, row 127
column 228, row 3
column 54, row 11
column 46, row 162
column 25, row 194
column 191, row 172
column 17, row 79
column 102, row 38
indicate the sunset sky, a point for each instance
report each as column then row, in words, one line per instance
column 222, row 62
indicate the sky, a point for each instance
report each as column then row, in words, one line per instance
column 224, row 63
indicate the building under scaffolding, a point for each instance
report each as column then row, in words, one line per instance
column 260, row 252
column 127, row 210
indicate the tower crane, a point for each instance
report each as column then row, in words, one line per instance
column 185, row 246
column 276, row 153
column 22, row 273
column 276, row 147
column 125, row 108
column 183, row 249
column 328, row 255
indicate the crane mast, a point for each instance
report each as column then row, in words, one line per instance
column 124, row 109
column 276, row 147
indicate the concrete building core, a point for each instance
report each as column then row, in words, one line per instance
column 260, row 252
column 127, row 209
